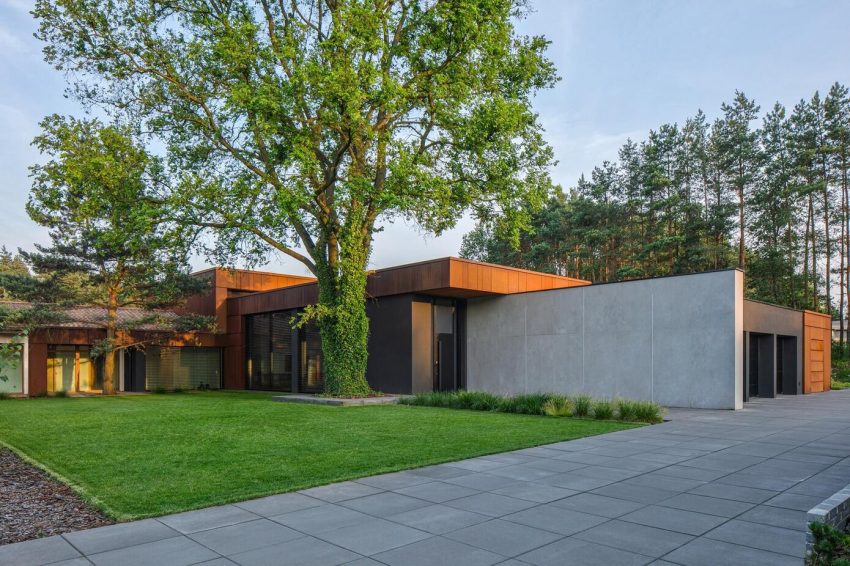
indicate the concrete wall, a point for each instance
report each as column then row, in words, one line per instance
column 676, row 340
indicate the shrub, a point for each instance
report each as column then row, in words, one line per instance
column 831, row 546
column 648, row 412
column 4, row 396
column 39, row 394
column 62, row 393
column 558, row 406
column 603, row 409
column 159, row 390
column 177, row 390
column 581, row 405
column 626, row 410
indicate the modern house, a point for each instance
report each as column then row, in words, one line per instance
column 690, row 340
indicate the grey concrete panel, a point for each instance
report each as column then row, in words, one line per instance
column 677, row 341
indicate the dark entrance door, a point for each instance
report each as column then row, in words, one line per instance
column 445, row 339
column 786, row 365
column 761, row 370
column 134, row 370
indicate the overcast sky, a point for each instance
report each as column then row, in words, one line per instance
column 626, row 66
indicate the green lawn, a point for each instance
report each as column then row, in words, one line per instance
column 138, row 456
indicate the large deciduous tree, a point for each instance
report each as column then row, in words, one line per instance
column 98, row 195
column 302, row 125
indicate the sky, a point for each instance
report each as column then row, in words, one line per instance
column 626, row 66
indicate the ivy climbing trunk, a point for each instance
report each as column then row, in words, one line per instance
column 342, row 319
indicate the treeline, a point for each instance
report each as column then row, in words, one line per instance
column 769, row 195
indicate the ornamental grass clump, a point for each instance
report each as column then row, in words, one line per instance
column 626, row 410
column 648, row 412
column 558, row 406
column 581, row 405
column 529, row 404
column 603, row 409
column 480, row 400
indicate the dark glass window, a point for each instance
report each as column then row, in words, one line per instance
column 311, row 374
column 270, row 350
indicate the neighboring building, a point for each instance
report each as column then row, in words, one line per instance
column 836, row 331
column 451, row 323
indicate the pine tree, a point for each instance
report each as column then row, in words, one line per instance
column 739, row 157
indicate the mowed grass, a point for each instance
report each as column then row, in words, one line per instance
column 147, row 455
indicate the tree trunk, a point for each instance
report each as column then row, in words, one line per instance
column 742, row 256
column 111, row 355
column 342, row 319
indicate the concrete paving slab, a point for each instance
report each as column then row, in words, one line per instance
column 318, row 520
column 179, row 551
column 490, row 504
column 678, row 520
column 243, row 537
column 373, row 536
column 609, row 507
column 503, row 537
column 581, row 552
column 437, row 491
column 336, row 492
column 209, row 518
column 556, row 519
column 279, row 504
column 438, row 551
column 92, row 541
column 762, row 537
column 632, row 537
column 706, row 552
column 438, row 519
column 38, row 551
column 304, row 551
column 384, row 504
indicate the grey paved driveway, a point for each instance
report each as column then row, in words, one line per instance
column 708, row 488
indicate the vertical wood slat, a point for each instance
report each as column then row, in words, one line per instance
column 817, row 352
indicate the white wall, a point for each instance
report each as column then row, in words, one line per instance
column 675, row 340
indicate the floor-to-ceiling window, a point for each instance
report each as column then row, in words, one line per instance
column 311, row 375
column 182, row 368
column 73, row 370
column 270, row 350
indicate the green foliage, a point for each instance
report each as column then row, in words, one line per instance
column 626, row 409
column 582, row 405
column 220, row 447
column 61, row 393
column 304, row 126
column 529, row 404
column 4, row 396
column 648, row 412
column 603, row 409
column 831, row 546
column 11, row 264
column 111, row 245
column 699, row 196
column 558, row 406
column 550, row 404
